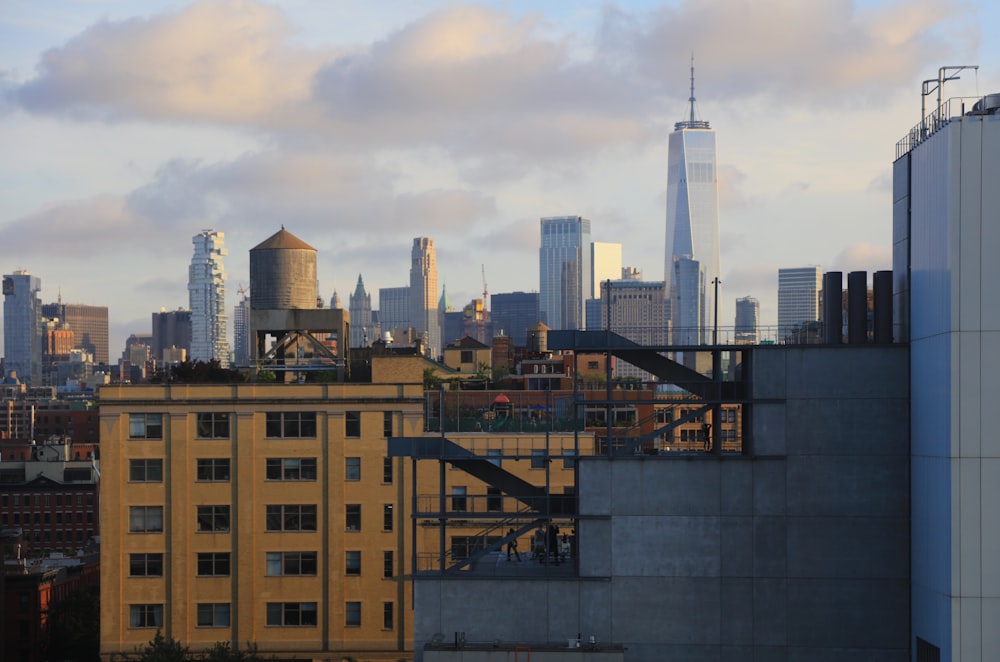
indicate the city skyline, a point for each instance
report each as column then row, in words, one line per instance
column 463, row 123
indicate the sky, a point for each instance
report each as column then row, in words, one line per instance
column 128, row 127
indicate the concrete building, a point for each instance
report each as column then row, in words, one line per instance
column 207, row 293
column 605, row 264
column 798, row 298
column 692, row 235
column 945, row 207
column 89, row 325
column 564, row 271
column 747, row 325
column 423, row 295
column 634, row 309
column 22, row 326
column 171, row 329
column 393, row 309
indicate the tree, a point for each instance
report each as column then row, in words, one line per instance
column 74, row 627
column 431, row 379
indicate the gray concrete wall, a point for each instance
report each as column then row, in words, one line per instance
column 799, row 552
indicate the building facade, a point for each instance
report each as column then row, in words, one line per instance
column 394, row 309
column 262, row 513
column 564, row 271
column 634, row 309
column 605, row 264
column 799, row 291
column 88, row 323
column 207, row 294
column 22, row 326
column 945, row 207
column 170, row 329
column 513, row 313
column 363, row 331
column 423, row 295
column 692, row 236
column 241, row 330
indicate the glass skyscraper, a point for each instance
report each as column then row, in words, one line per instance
column 22, row 326
column 564, row 271
column 798, row 298
column 692, row 237
column 207, row 292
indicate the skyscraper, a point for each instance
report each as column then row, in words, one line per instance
column 89, row 325
column 513, row 313
column 360, row 308
column 605, row 264
column 747, row 320
column 423, row 295
column 692, row 237
column 393, row 309
column 798, row 298
column 635, row 310
column 22, row 326
column 564, row 271
column 241, row 329
column 947, row 306
column 171, row 330
column 207, row 292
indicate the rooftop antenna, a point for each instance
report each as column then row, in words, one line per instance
column 691, row 122
column 691, row 98
column 936, row 84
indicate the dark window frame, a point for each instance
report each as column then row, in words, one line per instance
column 291, row 517
column 145, row 564
column 213, row 470
column 292, row 614
column 212, row 425
column 290, row 424
column 145, row 425
column 213, row 564
column 213, row 519
column 145, row 470
column 301, row 469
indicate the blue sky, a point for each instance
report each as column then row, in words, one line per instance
column 128, row 127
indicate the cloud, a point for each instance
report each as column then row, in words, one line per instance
column 863, row 256
column 79, row 227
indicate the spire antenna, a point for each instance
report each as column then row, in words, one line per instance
column 692, row 122
column 691, row 98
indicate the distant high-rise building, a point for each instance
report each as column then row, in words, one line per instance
column 170, row 329
column 393, row 308
column 605, row 264
column 207, row 292
column 22, row 326
column 359, row 305
column 692, row 237
column 89, row 325
column 747, row 320
column 564, row 270
column 423, row 295
column 798, row 298
column 636, row 310
column 335, row 303
column 513, row 313
column 241, row 330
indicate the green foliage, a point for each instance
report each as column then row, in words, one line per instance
column 431, row 380
column 162, row 649
column 74, row 627
column 197, row 372
column 266, row 377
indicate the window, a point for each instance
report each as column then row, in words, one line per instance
column 145, row 616
column 387, row 618
column 495, row 455
column 213, row 518
column 353, row 516
column 291, row 468
column 538, row 459
column 145, row 519
column 145, row 565
column 353, row 612
column 145, row 426
column 145, row 471
column 352, row 468
column 213, row 615
column 300, row 614
column 387, row 470
column 213, row 564
column 214, row 469
column 353, row 560
column 592, row 365
column 466, row 356
column 458, row 499
column 352, row 424
column 388, row 568
column 290, row 424
column 213, row 425
column 288, row 564
column 291, row 518
column 569, row 459
column 387, row 424
column 387, row 517
column 494, row 499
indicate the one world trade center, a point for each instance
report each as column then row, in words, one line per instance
column 692, row 238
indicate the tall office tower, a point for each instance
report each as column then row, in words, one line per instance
column 605, row 264
column 171, row 329
column 747, row 321
column 393, row 309
column 564, row 270
column 89, row 325
column 22, row 326
column 423, row 295
column 513, row 313
column 947, row 306
column 635, row 310
column 241, row 329
column 207, row 292
column 360, row 309
column 798, row 298
column 335, row 303
column 692, row 237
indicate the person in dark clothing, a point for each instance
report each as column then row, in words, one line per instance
column 554, row 542
column 512, row 546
